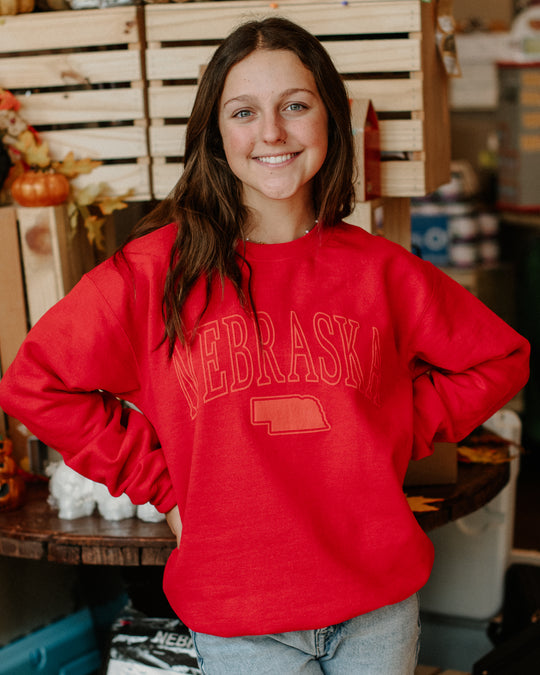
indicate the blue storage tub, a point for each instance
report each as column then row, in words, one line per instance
column 66, row 647
column 430, row 237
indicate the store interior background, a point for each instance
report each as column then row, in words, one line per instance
column 36, row 593
column 473, row 129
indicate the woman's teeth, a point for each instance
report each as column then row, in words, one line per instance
column 277, row 159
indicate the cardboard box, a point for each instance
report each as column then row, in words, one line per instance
column 440, row 468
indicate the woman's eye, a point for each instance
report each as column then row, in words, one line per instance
column 242, row 114
column 294, row 107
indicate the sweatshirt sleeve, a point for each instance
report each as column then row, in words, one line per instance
column 467, row 363
column 65, row 386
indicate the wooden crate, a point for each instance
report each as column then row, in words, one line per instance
column 385, row 50
column 79, row 77
column 54, row 257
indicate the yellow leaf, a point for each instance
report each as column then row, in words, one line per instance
column 484, row 455
column 94, row 231
column 109, row 204
column 34, row 152
column 72, row 167
column 421, row 504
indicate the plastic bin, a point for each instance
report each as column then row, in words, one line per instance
column 65, row 647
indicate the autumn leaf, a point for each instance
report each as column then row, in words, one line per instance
column 71, row 167
column 95, row 231
column 422, row 504
column 484, row 455
column 35, row 152
column 109, row 204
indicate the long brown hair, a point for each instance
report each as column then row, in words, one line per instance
column 206, row 203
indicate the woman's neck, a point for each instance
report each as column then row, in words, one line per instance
column 281, row 224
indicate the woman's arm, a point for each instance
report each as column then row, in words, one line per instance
column 66, row 385
column 471, row 363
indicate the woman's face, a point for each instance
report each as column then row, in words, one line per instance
column 274, row 127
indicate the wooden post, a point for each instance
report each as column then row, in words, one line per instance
column 397, row 219
column 13, row 321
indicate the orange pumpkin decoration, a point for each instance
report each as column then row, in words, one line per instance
column 38, row 188
column 12, row 485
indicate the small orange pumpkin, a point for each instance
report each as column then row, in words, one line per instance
column 38, row 188
column 12, row 485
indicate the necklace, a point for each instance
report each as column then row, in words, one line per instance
column 306, row 231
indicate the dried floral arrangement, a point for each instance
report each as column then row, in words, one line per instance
column 29, row 176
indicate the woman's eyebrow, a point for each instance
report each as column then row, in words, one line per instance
column 245, row 98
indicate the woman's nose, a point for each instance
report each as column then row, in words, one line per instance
column 273, row 129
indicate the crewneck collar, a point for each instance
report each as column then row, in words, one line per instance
column 289, row 249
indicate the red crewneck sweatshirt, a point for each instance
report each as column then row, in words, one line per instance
column 285, row 451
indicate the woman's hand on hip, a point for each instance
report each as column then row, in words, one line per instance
column 175, row 523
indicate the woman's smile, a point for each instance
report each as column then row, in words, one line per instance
column 276, row 160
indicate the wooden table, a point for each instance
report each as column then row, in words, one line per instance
column 34, row 531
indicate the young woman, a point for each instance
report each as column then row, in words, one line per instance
column 285, row 367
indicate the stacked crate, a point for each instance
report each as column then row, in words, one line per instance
column 90, row 83
column 79, row 77
column 385, row 49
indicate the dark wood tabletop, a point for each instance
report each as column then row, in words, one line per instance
column 36, row 532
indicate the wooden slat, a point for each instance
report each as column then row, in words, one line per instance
column 176, row 63
column 60, row 30
column 171, row 102
column 156, row 556
column 389, row 95
column 116, row 142
column 366, row 56
column 109, row 555
column 165, row 177
column 16, row 548
column 350, row 56
column 83, row 106
column 13, row 326
column 401, row 135
column 213, row 20
column 57, row 70
column 396, row 136
column 403, row 179
column 167, row 140
column 121, row 179
column 66, row 555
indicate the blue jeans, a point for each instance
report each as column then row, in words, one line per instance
column 382, row 642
